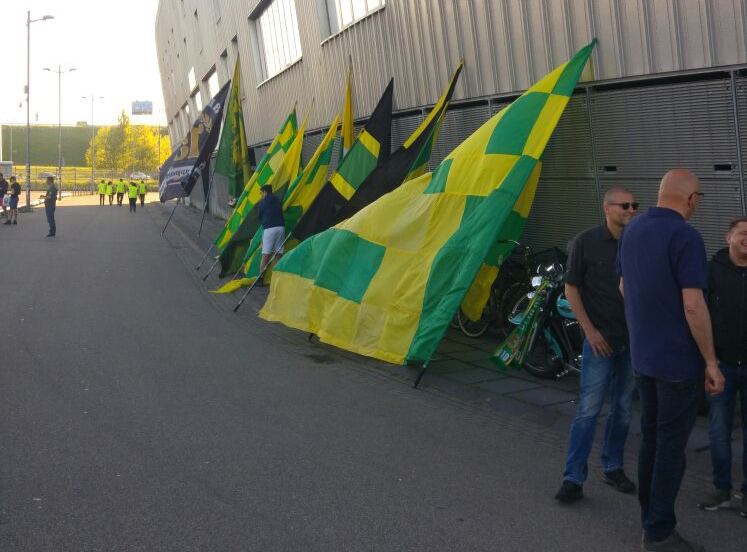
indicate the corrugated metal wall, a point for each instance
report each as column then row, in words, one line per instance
column 506, row 44
column 618, row 131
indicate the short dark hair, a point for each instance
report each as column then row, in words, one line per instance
column 266, row 189
column 733, row 224
column 50, row 179
column 12, row 178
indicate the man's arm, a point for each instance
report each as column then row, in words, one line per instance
column 596, row 340
column 621, row 287
column 699, row 320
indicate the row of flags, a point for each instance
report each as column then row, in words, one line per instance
column 382, row 253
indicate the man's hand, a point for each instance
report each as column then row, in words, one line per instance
column 597, row 342
column 714, row 380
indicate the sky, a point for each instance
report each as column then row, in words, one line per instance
column 112, row 45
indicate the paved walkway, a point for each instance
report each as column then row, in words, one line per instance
column 138, row 413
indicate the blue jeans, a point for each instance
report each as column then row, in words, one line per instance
column 721, row 418
column 50, row 220
column 668, row 411
column 598, row 375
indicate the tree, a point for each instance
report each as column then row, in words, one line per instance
column 127, row 148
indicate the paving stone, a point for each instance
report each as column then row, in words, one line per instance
column 507, row 385
column 449, row 346
column 474, row 375
column 544, row 396
column 472, row 355
column 448, row 365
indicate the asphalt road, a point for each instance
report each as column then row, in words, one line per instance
column 137, row 413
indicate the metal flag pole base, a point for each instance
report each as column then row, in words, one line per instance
column 170, row 217
column 261, row 274
column 423, row 368
column 211, row 269
column 207, row 201
column 205, row 256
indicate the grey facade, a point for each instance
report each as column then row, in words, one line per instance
column 666, row 87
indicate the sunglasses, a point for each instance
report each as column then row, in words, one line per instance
column 627, row 205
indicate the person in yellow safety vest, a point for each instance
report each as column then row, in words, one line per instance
column 120, row 192
column 110, row 192
column 141, row 191
column 102, row 191
column 132, row 196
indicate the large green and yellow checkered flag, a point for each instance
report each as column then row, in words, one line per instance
column 300, row 195
column 387, row 282
column 238, row 227
column 232, row 160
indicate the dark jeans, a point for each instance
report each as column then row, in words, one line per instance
column 721, row 418
column 142, row 200
column 101, row 199
column 668, row 411
column 50, row 220
column 133, row 204
column 119, row 198
column 600, row 375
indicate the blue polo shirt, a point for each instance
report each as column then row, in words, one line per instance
column 659, row 255
column 271, row 212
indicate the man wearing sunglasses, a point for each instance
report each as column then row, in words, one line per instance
column 592, row 290
column 663, row 272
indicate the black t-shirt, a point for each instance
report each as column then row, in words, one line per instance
column 3, row 187
column 50, row 200
column 15, row 189
column 271, row 212
column 592, row 268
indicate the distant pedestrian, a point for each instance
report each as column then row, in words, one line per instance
column 3, row 192
column 102, row 191
column 663, row 272
column 727, row 301
column 110, row 192
column 592, row 288
column 50, row 204
column 273, row 233
column 132, row 196
column 120, row 192
column 15, row 194
column 142, row 189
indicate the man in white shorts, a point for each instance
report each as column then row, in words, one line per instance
column 273, row 236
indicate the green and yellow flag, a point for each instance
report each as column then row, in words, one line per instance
column 387, row 282
column 300, row 195
column 242, row 224
column 232, row 160
column 348, row 132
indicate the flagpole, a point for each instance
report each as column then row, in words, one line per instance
column 211, row 268
column 262, row 273
column 205, row 256
column 207, row 199
column 171, row 216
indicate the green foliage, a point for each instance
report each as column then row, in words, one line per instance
column 127, row 148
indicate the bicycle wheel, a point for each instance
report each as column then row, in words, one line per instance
column 470, row 328
column 510, row 300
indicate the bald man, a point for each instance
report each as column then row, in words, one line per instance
column 663, row 272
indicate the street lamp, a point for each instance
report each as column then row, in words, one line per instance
column 29, row 21
column 59, row 125
column 93, row 140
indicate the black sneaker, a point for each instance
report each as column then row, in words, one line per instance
column 717, row 499
column 673, row 543
column 569, row 492
column 15, row 222
column 618, row 480
column 7, row 222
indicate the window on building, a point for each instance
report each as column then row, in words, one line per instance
column 343, row 13
column 277, row 39
column 191, row 78
column 213, row 84
column 197, row 98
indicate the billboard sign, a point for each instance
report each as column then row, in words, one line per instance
column 142, row 108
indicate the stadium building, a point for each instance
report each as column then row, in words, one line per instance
column 667, row 86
